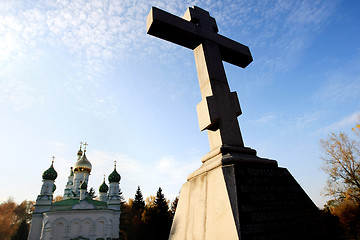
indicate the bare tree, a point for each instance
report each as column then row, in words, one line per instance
column 341, row 161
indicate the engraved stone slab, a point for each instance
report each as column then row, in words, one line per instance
column 270, row 204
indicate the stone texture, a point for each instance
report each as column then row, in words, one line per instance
column 271, row 204
column 204, row 210
column 219, row 224
column 244, row 197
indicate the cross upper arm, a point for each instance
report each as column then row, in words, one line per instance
column 172, row 28
column 190, row 35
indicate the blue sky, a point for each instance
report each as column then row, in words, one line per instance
column 79, row 70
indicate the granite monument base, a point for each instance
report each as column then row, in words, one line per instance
column 237, row 195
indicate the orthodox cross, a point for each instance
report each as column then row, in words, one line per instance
column 85, row 145
column 53, row 158
column 197, row 30
column 81, row 143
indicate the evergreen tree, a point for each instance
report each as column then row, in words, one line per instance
column 138, row 204
column 174, row 206
column 122, row 199
column 146, row 221
column 161, row 203
column 135, row 229
column 159, row 218
column 92, row 193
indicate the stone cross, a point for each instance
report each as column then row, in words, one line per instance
column 197, row 30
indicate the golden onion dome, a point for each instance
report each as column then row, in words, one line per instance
column 82, row 165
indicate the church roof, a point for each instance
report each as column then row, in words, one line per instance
column 69, row 203
column 80, row 153
column 114, row 176
column 50, row 173
column 103, row 187
column 83, row 165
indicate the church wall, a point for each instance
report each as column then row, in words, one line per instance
column 35, row 228
column 115, row 222
column 68, row 187
column 47, row 187
column 75, row 228
column 103, row 196
column 114, row 190
column 59, row 230
column 78, row 179
column 100, row 227
column 90, row 224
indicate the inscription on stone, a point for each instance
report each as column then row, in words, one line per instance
column 272, row 205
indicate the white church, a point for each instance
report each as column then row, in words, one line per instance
column 77, row 216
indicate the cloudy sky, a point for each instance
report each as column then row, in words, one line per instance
column 85, row 70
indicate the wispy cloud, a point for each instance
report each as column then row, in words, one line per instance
column 308, row 118
column 108, row 29
column 299, row 121
column 92, row 30
column 340, row 88
column 265, row 120
column 343, row 125
column 19, row 95
column 340, row 85
column 277, row 31
column 94, row 33
column 101, row 31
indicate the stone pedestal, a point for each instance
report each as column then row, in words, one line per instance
column 237, row 195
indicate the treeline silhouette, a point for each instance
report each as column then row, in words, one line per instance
column 147, row 219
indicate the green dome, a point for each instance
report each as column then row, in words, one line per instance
column 83, row 185
column 83, row 165
column 114, row 176
column 50, row 173
column 103, row 187
column 54, row 188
